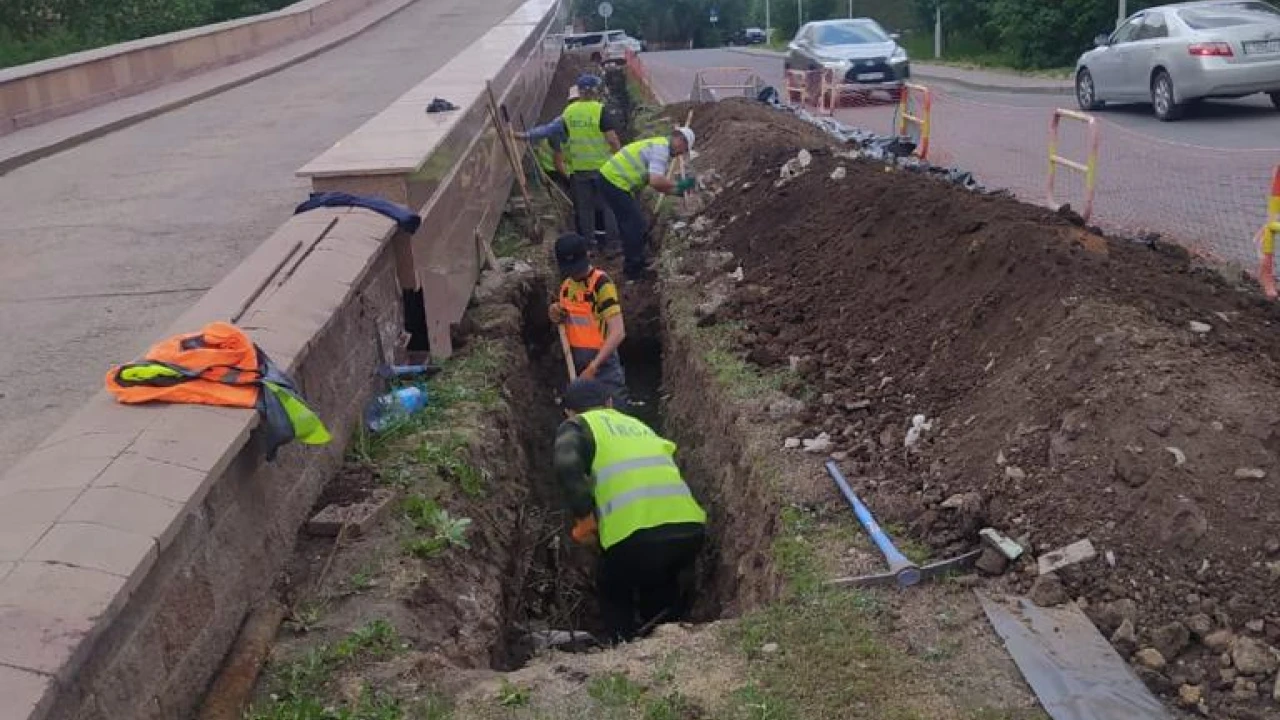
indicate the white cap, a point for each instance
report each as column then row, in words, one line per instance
column 573, row 92
column 688, row 136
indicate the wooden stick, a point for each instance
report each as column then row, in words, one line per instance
column 568, row 353
column 504, row 139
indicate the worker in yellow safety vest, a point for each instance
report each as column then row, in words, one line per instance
column 582, row 138
column 642, row 163
column 625, row 492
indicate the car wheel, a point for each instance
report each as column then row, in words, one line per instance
column 1275, row 99
column 1163, row 100
column 1086, row 92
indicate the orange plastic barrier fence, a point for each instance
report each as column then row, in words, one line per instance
column 923, row 98
column 1267, row 272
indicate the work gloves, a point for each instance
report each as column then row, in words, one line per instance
column 685, row 185
column 585, row 530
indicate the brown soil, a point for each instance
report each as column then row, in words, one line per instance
column 1059, row 369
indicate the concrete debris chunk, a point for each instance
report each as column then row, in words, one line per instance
column 1250, row 474
column 1077, row 552
column 1007, row 547
column 839, row 173
column 1200, row 328
column 791, row 443
column 820, row 444
column 1150, row 658
column 1179, row 457
column 919, row 425
column 1251, row 657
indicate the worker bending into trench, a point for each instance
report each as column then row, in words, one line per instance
column 581, row 140
column 625, row 492
column 641, row 163
column 589, row 308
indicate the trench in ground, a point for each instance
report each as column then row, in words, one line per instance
column 552, row 585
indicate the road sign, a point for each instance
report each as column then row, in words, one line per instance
column 605, row 10
column 715, row 16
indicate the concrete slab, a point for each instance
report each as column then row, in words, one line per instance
column 24, row 692
column 132, row 471
column 96, row 547
column 128, row 511
column 47, row 610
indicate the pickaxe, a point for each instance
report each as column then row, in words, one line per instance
column 902, row 572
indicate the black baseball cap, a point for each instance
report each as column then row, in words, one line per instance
column 584, row 394
column 571, row 254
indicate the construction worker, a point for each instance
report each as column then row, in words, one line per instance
column 591, row 137
column 625, row 492
column 588, row 307
column 641, row 163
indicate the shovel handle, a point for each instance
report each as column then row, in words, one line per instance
column 568, row 352
column 907, row 572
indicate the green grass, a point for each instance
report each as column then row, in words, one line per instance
column 794, row 554
column 434, row 529
column 832, row 656
column 470, row 378
column 970, row 56
column 513, row 696
column 300, row 689
column 509, row 238
column 614, row 690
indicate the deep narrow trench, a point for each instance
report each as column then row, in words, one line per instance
column 551, row 584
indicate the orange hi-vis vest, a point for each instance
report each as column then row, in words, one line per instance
column 218, row 366
column 584, row 330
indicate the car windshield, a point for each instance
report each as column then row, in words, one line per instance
column 1249, row 12
column 850, row 34
column 617, row 34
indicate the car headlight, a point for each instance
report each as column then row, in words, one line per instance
column 898, row 56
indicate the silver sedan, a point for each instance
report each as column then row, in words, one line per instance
column 1175, row 55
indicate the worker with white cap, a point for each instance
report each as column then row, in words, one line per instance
column 641, row 163
column 582, row 138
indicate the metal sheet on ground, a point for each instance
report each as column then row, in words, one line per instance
column 1072, row 669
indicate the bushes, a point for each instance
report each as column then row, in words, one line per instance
column 32, row 30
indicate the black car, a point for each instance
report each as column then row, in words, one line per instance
column 864, row 56
column 747, row 36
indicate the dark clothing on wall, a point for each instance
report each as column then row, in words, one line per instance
column 408, row 221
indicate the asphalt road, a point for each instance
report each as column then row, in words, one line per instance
column 1247, row 123
column 104, row 245
column 1202, row 182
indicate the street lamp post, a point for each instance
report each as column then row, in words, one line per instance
column 768, row 27
column 850, row 9
column 799, row 13
column 1121, row 12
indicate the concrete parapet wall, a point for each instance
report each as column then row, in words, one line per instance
column 136, row 538
column 38, row 92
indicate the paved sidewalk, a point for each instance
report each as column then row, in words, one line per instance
column 973, row 79
column 30, row 144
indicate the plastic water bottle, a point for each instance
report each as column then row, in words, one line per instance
column 394, row 407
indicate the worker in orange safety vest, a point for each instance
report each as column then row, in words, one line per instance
column 589, row 308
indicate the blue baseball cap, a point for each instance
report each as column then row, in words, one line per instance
column 587, row 81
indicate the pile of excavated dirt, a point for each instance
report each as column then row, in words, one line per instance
column 1074, row 387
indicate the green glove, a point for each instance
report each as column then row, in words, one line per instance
column 685, row 185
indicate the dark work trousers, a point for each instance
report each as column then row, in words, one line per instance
column 610, row 375
column 650, row 573
column 631, row 226
column 591, row 214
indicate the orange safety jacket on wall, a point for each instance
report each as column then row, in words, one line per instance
column 220, row 366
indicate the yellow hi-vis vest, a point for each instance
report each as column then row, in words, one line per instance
column 626, row 170
column 590, row 148
column 637, row 483
column 547, row 157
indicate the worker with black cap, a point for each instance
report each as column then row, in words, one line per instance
column 625, row 492
column 588, row 306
